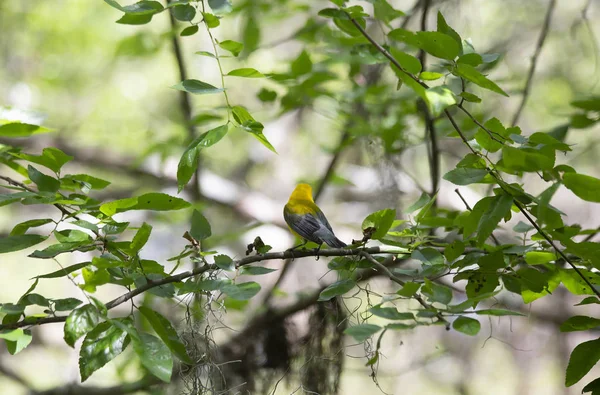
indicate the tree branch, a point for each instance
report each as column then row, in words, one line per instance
column 534, row 59
column 31, row 321
column 127, row 388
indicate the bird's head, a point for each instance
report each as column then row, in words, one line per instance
column 302, row 192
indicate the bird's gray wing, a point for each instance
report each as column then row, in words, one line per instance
column 305, row 225
column 321, row 217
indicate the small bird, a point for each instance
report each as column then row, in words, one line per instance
column 305, row 219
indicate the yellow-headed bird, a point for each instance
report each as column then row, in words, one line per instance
column 306, row 219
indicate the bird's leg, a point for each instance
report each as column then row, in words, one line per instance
column 298, row 246
column 317, row 251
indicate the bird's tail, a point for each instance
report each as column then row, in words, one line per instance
column 334, row 242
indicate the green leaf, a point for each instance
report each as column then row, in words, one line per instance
column 428, row 256
column 66, row 304
column 183, row 12
column 101, row 345
column 582, row 360
column 591, row 104
column 18, row 129
column 593, row 387
column 408, row 62
column 466, row 325
column 437, row 292
column 245, row 72
column 224, row 263
column 528, row 159
column 52, row 158
column 539, row 257
column 390, row 313
column 141, row 237
column 67, row 270
column 85, row 181
column 79, row 322
column 302, row 64
column 439, row 98
column 385, row 12
column 22, row 227
column 499, row 207
column 220, row 7
column 232, row 46
column 473, row 59
column 190, row 31
column 243, row 291
column 499, row 312
column 430, row 76
column 443, row 27
column 57, row 249
column 522, row 227
column 465, row 175
column 336, row 289
column 132, row 19
column 492, row 139
column 43, row 182
column 249, row 124
column 589, row 300
column 362, row 332
column 211, row 20
column 200, row 229
column 423, row 200
column 20, row 242
column 16, row 339
column 585, row 187
column 469, row 73
column 155, row 355
column 167, row 333
column 148, row 201
column 438, row 44
column 12, row 309
column 409, row 289
column 255, row 270
column 454, row 250
column 470, row 97
column 579, row 323
column 196, row 87
column 380, row 220
column 266, row 95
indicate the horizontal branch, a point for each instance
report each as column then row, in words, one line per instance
column 31, row 321
column 75, row 389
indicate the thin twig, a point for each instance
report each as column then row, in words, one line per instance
column 29, row 321
column 534, row 59
column 386, row 272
